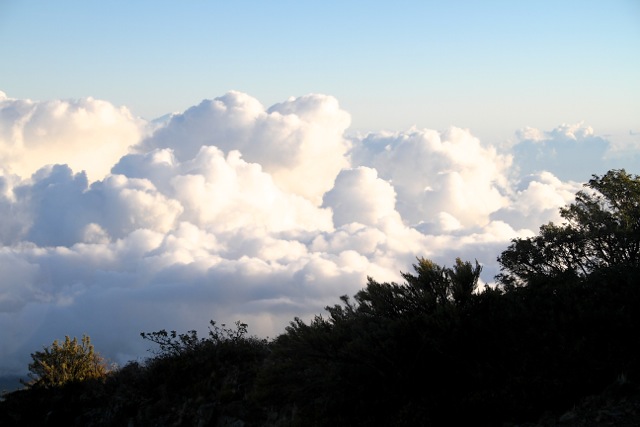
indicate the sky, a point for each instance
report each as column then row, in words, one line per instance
column 163, row 164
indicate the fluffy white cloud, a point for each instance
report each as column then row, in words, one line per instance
column 438, row 176
column 86, row 134
column 537, row 200
column 299, row 142
column 59, row 208
column 359, row 196
column 231, row 210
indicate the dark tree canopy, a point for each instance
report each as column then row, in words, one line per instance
column 361, row 364
column 601, row 230
column 432, row 288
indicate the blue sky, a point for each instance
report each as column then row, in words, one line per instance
column 314, row 144
column 491, row 66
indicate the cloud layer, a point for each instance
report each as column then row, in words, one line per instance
column 112, row 225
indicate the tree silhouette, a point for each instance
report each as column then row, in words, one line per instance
column 601, row 231
column 379, row 358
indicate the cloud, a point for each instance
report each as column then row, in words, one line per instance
column 299, row 142
column 438, row 176
column 231, row 210
column 624, row 151
column 86, row 134
column 536, row 201
column 58, row 208
column 359, row 196
column 570, row 152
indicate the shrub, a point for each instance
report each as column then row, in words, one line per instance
column 71, row 360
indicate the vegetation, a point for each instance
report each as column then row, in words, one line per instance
column 363, row 364
column 602, row 230
column 562, row 324
column 66, row 362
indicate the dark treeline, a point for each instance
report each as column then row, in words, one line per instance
column 563, row 323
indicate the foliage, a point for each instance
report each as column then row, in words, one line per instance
column 433, row 288
column 219, row 369
column 502, row 356
column 190, row 381
column 65, row 362
column 440, row 285
column 362, row 364
column 602, row 230
column 174, row 344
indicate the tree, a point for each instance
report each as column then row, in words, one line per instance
column 434, row 287
column 65, row 362
column 174, row 344
column 362, row 364
column 601, row 231
column 442, row 284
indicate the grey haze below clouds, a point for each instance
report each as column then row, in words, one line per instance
column 112, row 225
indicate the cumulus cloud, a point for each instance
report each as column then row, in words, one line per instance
column 536, row 200
column 446, row 178
column 86, row 134
column 299, row 142
column 58, row 208
column 230, row 210
column 358, row 195
column 571, row 152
